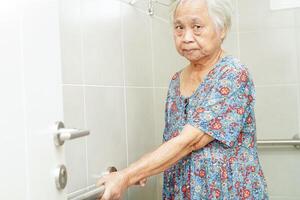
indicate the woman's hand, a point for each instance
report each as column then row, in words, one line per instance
column 115, row 184
column 142, row 182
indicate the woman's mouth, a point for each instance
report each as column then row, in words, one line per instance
column 189, row 50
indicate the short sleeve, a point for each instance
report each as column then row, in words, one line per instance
column 223, row 112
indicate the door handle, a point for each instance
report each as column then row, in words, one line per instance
column 63, row 134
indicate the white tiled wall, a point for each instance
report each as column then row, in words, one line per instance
column 105, row 118
column 117, row 65
column 268, row 45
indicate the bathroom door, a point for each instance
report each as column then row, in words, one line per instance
column 31, row 100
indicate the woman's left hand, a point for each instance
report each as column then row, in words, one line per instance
column 115, row 184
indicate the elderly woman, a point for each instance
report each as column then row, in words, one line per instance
column 210, row 147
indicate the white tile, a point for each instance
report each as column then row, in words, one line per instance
column 140, row 122
column 257, row 15
column 166, row 59
column 102, row 42
column 234, row 17
column 297, row 16
column 106, row 120
column 70, row 22
column 281, row 167
column 271, row 56
column 287, row 4
column 137, row 47
column 163, row 11
column 73, row 102
column 159, row 113
column 159, row 182
column 298, row 45
column 277, row 115
column 75, row 150
column 141, row 135
column 230, row 44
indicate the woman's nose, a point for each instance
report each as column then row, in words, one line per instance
column 188, row 36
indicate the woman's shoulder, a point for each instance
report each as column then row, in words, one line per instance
column 233, row 63
column 175, row 78
column 174, row 83
column 176, row 75
column 232, row 66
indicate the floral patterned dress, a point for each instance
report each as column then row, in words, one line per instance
column 222, row 107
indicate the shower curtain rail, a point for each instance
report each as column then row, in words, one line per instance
column 281, row 142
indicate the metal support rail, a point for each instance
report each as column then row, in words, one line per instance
column 92, row 192
column 89, row 195
column 281, row 142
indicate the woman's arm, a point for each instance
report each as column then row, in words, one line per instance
column 167, row 154
column 155, row 162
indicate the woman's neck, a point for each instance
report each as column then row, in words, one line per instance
column 206, row 63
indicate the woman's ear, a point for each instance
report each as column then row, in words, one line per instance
column 223, row 33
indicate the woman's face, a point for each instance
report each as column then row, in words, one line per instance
column 195, row 34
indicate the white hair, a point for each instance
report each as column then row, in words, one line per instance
column 219, row 10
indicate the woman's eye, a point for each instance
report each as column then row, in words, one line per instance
column 197, row 27
column 178, row 27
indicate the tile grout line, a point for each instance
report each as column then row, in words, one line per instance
column 114, row 86
column 154, row 92
column 83, row 88
column 153, row 71
column 277, row 85
column 267, row 29
column 124, row 83
column 161, row 87
column 124, row 87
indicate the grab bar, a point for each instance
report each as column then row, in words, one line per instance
column 89, row 195
column 93, row 192
column 295, row 141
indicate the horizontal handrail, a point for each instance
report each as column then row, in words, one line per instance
column 281, row 142
column 89, row 195
column 93, row 192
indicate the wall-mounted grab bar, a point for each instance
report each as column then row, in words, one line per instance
column 278, row 142
column 89, row 195
column 93, row 192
